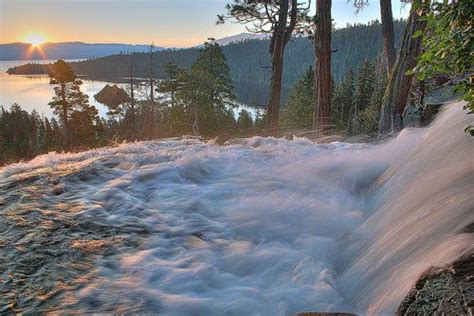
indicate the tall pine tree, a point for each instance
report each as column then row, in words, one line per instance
column 298, row 110
column 343, row 100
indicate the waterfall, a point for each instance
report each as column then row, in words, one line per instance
column 417, row 211
column 260, row 226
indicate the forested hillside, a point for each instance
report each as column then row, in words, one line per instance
column 248, row 60
column 354, row 45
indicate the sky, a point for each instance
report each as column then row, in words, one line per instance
column 167, row 23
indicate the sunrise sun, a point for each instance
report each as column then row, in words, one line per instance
column 35, row 39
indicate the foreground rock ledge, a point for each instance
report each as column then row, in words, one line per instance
column 443, row 291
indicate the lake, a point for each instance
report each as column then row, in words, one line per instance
column 33, row 92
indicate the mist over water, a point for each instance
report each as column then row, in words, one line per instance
column 260, row 226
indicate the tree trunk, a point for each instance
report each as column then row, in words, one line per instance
column 152, row 128
column 64, row 115
column 388, row 33
column 152, row 95
column 277, row 49
column 275, row 84
column 132, row 92
column 322, row 83
column 398, row 87
column 152, row 75
column 134, row 129
column 196, row 130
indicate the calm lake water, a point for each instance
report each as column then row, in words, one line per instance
column 33, row 92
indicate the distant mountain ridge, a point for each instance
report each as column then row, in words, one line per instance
column 240, row 38
column 81, row 50
column 67, row 50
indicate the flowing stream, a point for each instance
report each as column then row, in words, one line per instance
column 260, row 226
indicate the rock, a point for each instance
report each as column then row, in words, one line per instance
column 421, row 115
column 440, row 95
column 412, row 116
column 58, row 190
column 468, row 229
column 429, row 113
column 361, row 138
column 443, row 291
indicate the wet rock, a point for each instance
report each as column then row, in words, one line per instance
column 443, row 291
column 199, row 235
column 412, row 116
column 421, row 115
column 468, row 229
column 46, row 242
column 361, row 138
column 58, row 190
column 429, row 113
column 23, row 180
column 441, row 95
column 93, row 246
column 9, row 198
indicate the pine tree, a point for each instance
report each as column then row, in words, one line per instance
column 207, row 90
column 366, row 120
column 343, row 100
column 363, row 91
column 37, row 136
column 63, row 78
column 57, row 135
column 364, row 87
column 83, row 128
column 212, row 64
column 381, row 75
column 48, row 135
column 19, row 132
column 3, row 145
column 70, row 102
column 170, row 84
column 147, row 120
column 260, row 121
column 101, row 131
column 244, row 122
column 298, row 110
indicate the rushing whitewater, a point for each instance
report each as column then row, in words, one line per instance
column 260, row 226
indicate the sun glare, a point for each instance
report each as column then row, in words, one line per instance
column 35, row 39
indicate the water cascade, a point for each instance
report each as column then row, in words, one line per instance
column 260, row 226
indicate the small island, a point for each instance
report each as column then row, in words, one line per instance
column 30, row 69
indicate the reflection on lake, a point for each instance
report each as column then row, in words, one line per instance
column 256, row 95
column 33, row 92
